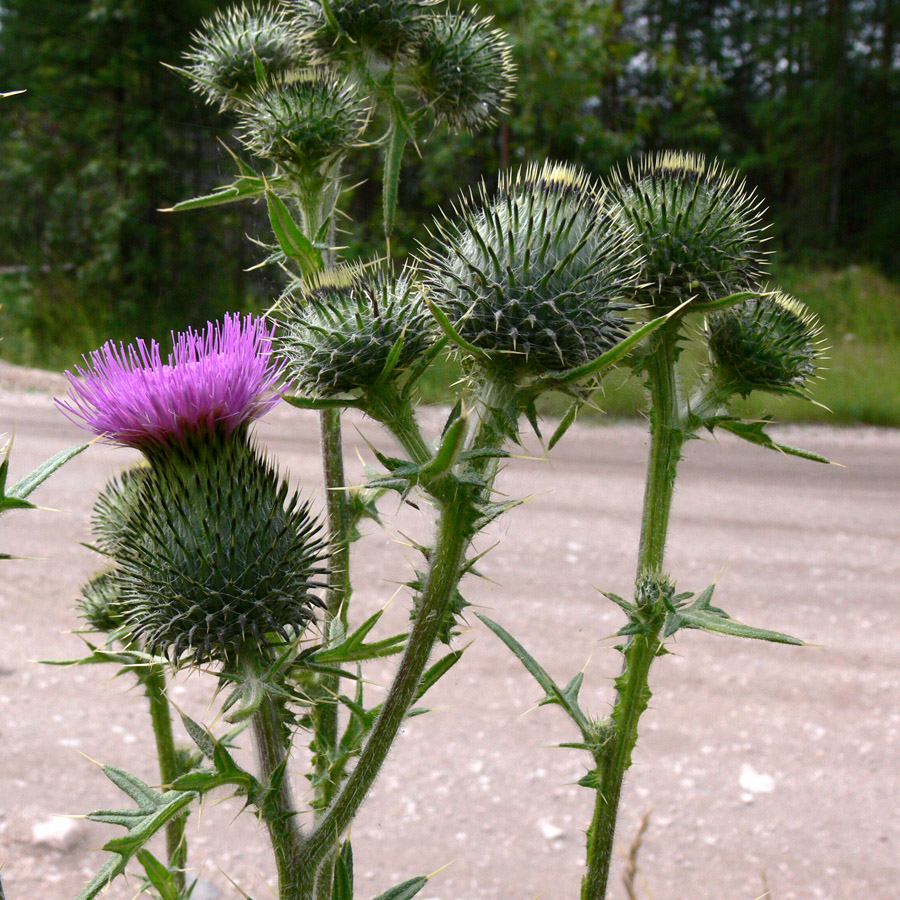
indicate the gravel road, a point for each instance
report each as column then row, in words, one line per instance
column 765, row 767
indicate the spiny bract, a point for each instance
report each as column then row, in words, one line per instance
column 537, row 277
column 217, row 560
column 384, row 27
column 464, row 69
column 304, row 119
column 768, row 343
column 113, row 505
column 699, row 227
column 232, row 48
column 341, row 328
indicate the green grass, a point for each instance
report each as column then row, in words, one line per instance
column 859, row 309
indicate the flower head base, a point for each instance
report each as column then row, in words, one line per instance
column 351, row 326
column 217, row 379
column 537, row 277
column 217, row 560
column 767, row 343
column 303, row 120
column 233, row 47
column 464, row 70
column 384, row 27
column 699, row 227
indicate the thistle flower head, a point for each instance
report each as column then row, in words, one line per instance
column 216, row 560
column 464, row 69
column 699, row 227
column 351, row 325
column 383, row 27
column 768, row 343
column 303, row 120
column 536, row 277
column 216, row 379
column 234, row 46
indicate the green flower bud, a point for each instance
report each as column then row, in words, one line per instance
column 464, row 70
column 343, row 327
column 113, row 505
column 233, row 46
column 383, row 27
column 767, row 343
column 216, row 561
column 537, row 277
column 99, row 603
column 699, row 228
column 304, row 120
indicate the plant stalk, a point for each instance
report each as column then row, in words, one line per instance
column 447, row 560
column 632, row 687
column 279, row 812
column 154, row 681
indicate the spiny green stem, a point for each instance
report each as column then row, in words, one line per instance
column 632, row 690
column 396, row 414
column 666, row 440
column 154, row 681
column 279, row 815
column 446, row 563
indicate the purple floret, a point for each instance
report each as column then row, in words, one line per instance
column 218, row 378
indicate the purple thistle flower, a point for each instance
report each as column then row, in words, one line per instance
column 218, row 378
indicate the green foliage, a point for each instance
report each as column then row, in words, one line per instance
column 100, row 140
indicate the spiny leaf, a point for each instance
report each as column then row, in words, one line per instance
column 154, row 810
column 404, row 891
column 159, row 876
column 567, row 420
column 566, row 697
column 434, row 673
column 354, row 647
column 755, row 433
column 290, row 237
column 21, row 489
column 702, row 615
column 398, row 135
column 343, row 874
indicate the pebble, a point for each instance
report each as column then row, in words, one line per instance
column 754, row 782
column 57, row 832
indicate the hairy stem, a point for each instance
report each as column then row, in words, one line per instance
column 279, row 813
column 446, row 564
column 632, row 686
column 154, row 681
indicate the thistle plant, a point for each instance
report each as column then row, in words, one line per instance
column 698, row 231
column 214, row 563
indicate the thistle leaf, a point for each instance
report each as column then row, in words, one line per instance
column 21, row 489
column 354, row 648
column 566, row 697
column 290, row 237
column 159, row 876
column 398, row 136
column 755, row 433
column 404, row 891
column 342, row 888
column 242, row 188
column 154, row 810
column 702, row 615
column 434, row 673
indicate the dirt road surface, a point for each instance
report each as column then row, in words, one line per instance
column 765, row 767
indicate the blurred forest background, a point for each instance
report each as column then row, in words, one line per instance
column 802, row 95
